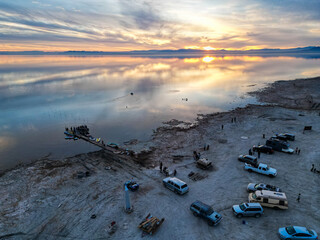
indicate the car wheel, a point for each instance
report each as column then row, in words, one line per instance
column 239, row 215
column 195, row 214
column 257, row 215
column 249, row 170
column 210, row 223
column 270, row 175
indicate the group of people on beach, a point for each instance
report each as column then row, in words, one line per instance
column 83, row 130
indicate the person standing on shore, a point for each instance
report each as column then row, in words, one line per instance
column 298, row 199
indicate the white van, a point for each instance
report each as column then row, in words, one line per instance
column 175, row 185
column 269, row 199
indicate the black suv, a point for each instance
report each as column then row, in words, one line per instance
column 285, row 136
column 248, row 159
column 263, row 149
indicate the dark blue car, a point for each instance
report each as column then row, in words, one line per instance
column 132, row 185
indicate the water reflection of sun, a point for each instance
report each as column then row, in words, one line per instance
column 208, row 59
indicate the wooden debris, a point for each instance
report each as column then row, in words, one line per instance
column 197, row 176
column 150, row 224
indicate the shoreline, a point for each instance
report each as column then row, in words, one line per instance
column 268, row 96
column 56, row 199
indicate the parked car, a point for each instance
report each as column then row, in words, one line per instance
column 276, row 200
column 285, row 136
column 252, row 187
column 175, row 185
column 132, row 185
column 262, row 169
column 263, row 149
column 296, row 232
column 204, row 163
column 279, row 145
column 248, row 209
column 248, row 159
column 203, row 210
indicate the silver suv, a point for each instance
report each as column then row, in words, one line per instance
column 248, row 209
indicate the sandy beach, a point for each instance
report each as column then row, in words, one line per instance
column 47, row 200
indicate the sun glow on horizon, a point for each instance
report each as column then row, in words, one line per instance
column 208, row 48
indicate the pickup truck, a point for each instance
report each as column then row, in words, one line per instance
column 262, row 169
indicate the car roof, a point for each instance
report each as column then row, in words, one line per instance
column 301, row 229
column 176, row 181
column 289, row 134
column 254, row 204
column 202, row 205
column 249, row 156
column 263, row 165
column 271, row 194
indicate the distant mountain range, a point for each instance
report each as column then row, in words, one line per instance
column 312, row 51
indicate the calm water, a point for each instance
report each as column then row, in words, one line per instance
column 40, row 95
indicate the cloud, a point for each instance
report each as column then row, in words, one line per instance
column 142, row 12
column 149, row 24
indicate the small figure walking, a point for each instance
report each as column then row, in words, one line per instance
column 208, row 147
column 296, row 151
column 160, row 166
column 298, row 198
column 250, row 152
column 195, row 155
column 263, row 136
column 175, row 172
column 258, row 153
column 222, row 126
column 299, row 151
column 312, row 168
column 165, row 171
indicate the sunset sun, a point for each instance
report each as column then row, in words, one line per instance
column 208, row 48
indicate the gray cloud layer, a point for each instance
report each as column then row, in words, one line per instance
column 149, row 24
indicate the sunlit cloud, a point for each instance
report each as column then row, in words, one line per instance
column 110, row 25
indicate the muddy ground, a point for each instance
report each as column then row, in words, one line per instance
column 47, row 200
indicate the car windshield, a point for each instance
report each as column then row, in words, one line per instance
column 290, row 230
column 310, row 231
column 256, row 186
column 254, row 196
column 242, row 207
column 183, row 186
column 209, row 211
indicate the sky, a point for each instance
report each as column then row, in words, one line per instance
column 125, row 25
